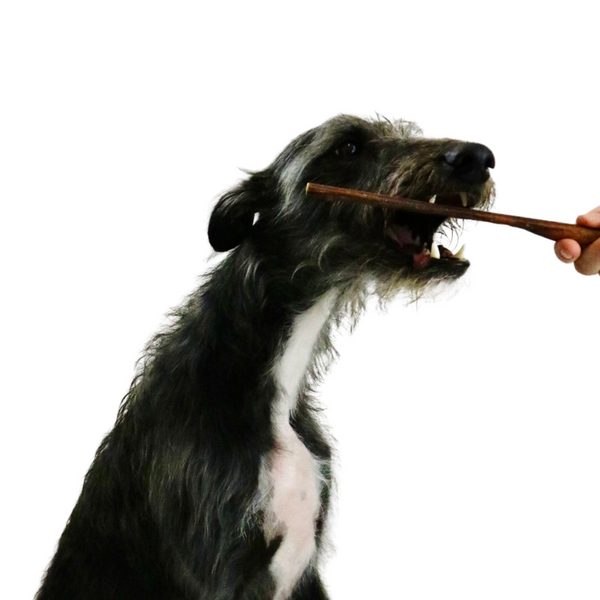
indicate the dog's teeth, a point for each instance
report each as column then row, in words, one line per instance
column 463, row 198
column 432, row 199
column 461, row 253
column 435, row 251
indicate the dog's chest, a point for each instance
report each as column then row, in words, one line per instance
column 293, row 473
column 294, row 508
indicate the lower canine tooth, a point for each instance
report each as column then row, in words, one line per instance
column 461, row 253
column 463, row 198
column 432, row 199
column 435, row 251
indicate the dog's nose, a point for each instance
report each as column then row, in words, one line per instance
column 470, row 162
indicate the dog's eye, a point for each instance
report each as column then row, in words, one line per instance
column 347, row 150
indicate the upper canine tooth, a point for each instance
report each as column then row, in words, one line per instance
column 435, row 251
column 461, row 253
column 463, row 197
column 432, row 199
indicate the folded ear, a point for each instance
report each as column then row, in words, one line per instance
column 233, row 216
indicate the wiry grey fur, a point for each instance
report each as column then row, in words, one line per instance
column 177, row 502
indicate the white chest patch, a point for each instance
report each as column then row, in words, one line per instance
column 293, row 474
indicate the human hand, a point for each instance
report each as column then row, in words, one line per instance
column 586, row 261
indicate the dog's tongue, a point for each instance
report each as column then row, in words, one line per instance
column 402, row 235
column 422, row 259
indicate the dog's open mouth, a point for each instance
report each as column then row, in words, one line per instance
column 422, row 252
column 413, row 234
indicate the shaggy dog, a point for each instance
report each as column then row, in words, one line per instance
column 215, row 482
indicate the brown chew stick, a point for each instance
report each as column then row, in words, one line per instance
column 549, row 229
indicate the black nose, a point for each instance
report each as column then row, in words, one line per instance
column 471, row 162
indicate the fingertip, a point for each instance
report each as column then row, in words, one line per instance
column 590, row 219
column 589, row 261
column 567, row 251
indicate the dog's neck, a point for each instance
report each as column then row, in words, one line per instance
column 298, row 352
column 293, row 474
column 262, row 326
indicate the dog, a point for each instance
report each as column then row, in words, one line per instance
column 216, row 480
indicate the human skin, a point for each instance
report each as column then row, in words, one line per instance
column 586, row 261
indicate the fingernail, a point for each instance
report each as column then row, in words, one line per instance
column 566, row 255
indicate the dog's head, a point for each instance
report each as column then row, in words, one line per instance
column 271, row 210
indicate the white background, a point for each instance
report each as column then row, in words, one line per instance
column 468, row 428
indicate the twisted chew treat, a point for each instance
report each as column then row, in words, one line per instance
column 549, row 229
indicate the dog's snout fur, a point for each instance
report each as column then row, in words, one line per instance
column 215, row 483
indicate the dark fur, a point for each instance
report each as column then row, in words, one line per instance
column 165, row 510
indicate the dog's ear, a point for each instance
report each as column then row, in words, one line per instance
column 233, row 216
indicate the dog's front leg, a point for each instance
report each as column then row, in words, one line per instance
column 310, row 588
